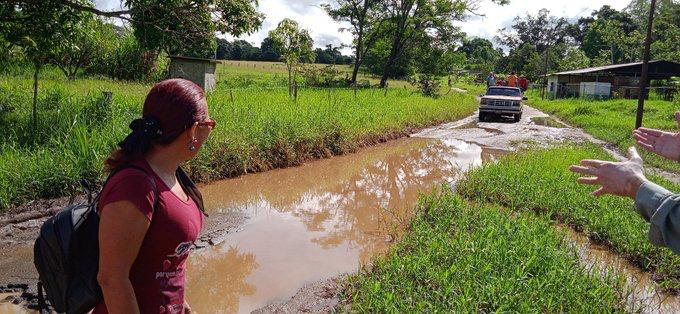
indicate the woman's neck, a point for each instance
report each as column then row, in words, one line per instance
column 164, row 162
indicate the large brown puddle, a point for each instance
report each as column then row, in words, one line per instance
column 318, row 220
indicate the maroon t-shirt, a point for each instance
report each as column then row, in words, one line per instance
column 157, row 275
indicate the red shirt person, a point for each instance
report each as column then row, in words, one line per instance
column 144, row 248
column 523, row 83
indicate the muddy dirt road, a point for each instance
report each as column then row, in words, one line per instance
column 274, row 241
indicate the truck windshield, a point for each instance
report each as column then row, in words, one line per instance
column 503, row 92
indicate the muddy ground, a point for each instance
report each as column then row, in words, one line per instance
column 19, row 227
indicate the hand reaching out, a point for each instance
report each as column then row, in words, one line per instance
column 665, row 144
column 616, row 178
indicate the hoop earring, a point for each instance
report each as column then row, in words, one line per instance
column 192, row 147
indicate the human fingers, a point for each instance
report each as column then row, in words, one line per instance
column 593, row 163
column 643, row 139
column 583, row 170
column 646, row 146
column 633, row 155
column 588, row 180
column 649, row 132
column 599, row 192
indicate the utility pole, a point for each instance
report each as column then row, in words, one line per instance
column 645, row 67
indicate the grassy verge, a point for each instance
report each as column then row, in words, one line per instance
column 540, row 181
column 463, row 257
column 614, row 120
column 258, row 129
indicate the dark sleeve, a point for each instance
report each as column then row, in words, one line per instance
column 130, row 185
column 662, row 209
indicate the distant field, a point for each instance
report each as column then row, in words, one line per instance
column 229, row 69
column 262, row 128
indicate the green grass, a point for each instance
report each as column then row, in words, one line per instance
column 470, row 258
column 261, row 129
column 540, row 181
column 614, row 120
column 234, row 73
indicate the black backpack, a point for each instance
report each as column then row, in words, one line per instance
column 66, row 253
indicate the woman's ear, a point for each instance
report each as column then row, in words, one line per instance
column 193, row 131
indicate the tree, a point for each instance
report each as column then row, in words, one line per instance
column 574, row 59
column 366, row 18
column 268, row 50
column 33, row 25
column 223, row 49
column 295, row 46
column 542, row 30
column 75, row 49
column 187, row 27
column 412, row 21
column 177, row 26
column 480, row 54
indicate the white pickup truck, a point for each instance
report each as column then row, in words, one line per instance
column 501, row 101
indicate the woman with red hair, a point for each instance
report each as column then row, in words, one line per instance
column 149, row 217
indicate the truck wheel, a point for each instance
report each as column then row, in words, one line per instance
column 482, row 117
column 518, row 117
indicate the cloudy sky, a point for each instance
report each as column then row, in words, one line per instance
column 325, row 31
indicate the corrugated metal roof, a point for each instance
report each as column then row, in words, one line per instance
column 602, row 68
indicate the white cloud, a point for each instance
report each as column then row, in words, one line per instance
column 326, row 31
column 496, row 17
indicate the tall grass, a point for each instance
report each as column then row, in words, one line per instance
column 540, row 181
column 614, row 120
column 462, row 257
column 259, row 130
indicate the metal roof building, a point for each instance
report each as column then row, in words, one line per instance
column 622, row 79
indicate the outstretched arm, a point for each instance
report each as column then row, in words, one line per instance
column 655, row 204
column 665, row 144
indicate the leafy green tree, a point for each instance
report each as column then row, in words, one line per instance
column 175, row 26
column 295, row 46
column 35, row 26
column 480, row 53
column 366, row 18
column 574, row 59
column 187, row 27
column 268, row 50
column 77, row 48
column 542, row 30
column 414, row 21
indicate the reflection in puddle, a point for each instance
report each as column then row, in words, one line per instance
column 317, row 220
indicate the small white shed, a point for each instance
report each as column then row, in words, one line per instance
column 198, row 70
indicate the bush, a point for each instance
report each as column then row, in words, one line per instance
column 127, row 60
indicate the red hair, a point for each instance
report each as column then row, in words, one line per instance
column 171, row 107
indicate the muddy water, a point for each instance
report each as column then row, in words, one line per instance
column 641, row 295
column 318, row 220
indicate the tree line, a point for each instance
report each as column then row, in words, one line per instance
column 242, row 50
column 543, row 43
column 413, row 39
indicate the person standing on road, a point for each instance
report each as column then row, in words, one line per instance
column 512, row 80
column 658, row 206
column 523, row 83
column 491, row 80
column 149, row 220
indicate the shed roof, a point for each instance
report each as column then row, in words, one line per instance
column 193, row 59
column 658, row 69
